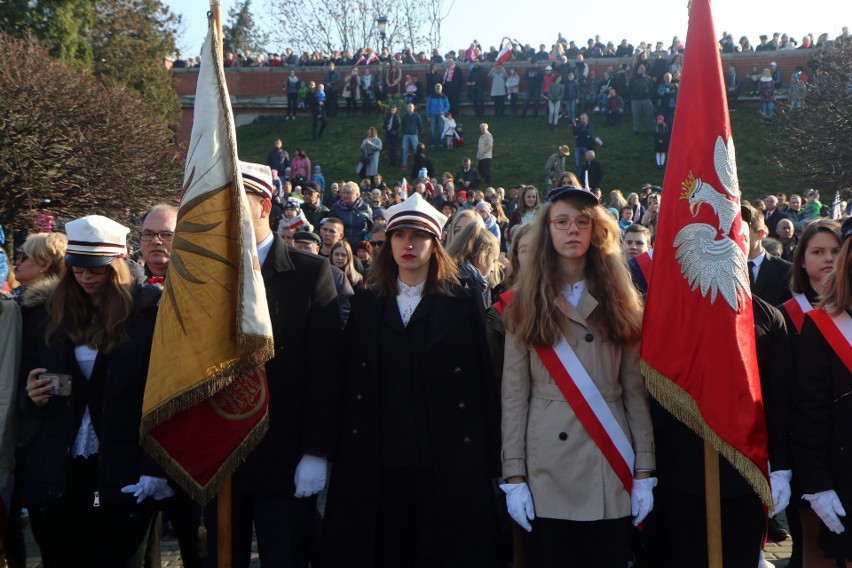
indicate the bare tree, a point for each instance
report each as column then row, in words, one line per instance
column 351, row 25
column 67, row 138
column 813, row 146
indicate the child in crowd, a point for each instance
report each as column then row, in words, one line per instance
column 318, row 178
column 450, row 134
column 662, row 137
column 410, row 95
column 302, row 95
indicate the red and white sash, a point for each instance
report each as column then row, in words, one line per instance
column 646, row 264
column 837, row 331
column 584, row 398
column 797, row 307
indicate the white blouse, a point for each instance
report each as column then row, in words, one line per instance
column 408, row 299
column 86, row 443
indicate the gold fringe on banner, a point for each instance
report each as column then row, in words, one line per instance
column 684, row 408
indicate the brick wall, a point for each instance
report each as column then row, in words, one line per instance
column 261, row 82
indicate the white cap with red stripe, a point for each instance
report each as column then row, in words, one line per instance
column 415, row 213
column 95, row 240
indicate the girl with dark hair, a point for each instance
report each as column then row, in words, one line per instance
column 813, row 260
column 84, row 476
column 574, row 322
column 822, row 416
column 420, row 428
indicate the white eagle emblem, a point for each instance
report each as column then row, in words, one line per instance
column 716, row 265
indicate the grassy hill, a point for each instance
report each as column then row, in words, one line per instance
column 521, row 147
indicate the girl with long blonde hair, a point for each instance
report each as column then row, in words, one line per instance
column 574, row 294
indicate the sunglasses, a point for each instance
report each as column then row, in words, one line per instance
column 377, row 243
column 96, row 270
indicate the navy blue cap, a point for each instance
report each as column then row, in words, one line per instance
column 570, row 191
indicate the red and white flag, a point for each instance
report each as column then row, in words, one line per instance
column 505, row 52
column 698, row 346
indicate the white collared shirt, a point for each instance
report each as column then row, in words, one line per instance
column 573, row 292
column 757, row 261
column 407, row 299
column 263, row 248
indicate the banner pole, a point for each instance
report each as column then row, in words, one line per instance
column 714, row 506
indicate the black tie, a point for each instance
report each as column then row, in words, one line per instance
column 751, row 274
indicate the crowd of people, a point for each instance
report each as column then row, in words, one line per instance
column 412, row 424
column 593, row 48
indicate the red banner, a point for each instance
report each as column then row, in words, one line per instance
column 698, row 346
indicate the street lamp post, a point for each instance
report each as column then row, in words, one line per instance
column 382, row 23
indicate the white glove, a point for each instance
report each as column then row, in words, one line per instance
column 779, row 483
column 156, row 487
column 310, row 475
column 826, row 504
column 520, row 503
column 642, row 498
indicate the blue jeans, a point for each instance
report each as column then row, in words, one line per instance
column 408, row 139
column 436, row 129
column 767, row 109
column 570, row 110
column 580, row 158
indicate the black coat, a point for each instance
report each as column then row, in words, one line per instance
column 303, row 377
column 461, row 396
column 114, row 395
column 772, row 283
column 470, row 175
column 822, row 427
column 772, row 222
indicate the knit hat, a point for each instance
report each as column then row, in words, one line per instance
column 483, row 206
column 95, row 240
column 423, row 173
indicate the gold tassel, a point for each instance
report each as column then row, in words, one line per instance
column 202, row 537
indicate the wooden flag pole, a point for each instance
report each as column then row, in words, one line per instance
column 714, row 506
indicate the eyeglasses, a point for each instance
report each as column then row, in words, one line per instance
column 564, row 223
column 148, row 236
column 21, row 258
column 96, row 270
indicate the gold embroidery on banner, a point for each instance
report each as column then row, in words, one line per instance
column 243, row 398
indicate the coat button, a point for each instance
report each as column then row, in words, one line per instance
column 359, row 396
column 466, row 439
column 461, row 405
column 457, row 370
column 354, row 431
column 363, row 364
column 589, row 337
column 563, row 436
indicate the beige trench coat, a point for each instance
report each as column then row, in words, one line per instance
column 545, row 442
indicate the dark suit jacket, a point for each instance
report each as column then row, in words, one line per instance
column 471, row 175
column 772, row 222
column 772, row 282
column 303, row 378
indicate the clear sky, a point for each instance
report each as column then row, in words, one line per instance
column 536, row 21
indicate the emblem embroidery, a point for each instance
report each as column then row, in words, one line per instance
column 716, row 265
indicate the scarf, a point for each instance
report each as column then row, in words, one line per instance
column 355, row 206
column 448, row 74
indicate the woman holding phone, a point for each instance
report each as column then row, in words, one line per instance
column 84, row 475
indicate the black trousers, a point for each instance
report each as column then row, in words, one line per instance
column 71, row 533
column 556, row 543
column 683, row 530
column 285, row 528
column 484, row 167
column 408, row 525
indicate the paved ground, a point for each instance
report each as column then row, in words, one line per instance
column 776, row 553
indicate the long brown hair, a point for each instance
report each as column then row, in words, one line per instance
column 838, row 284
column 443, row 272
column 533, row 315
column 799, row 279
column 99, row 326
